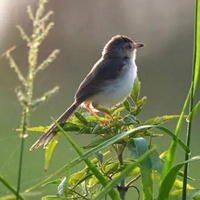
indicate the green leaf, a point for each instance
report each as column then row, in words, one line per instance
column 156, row 162
column 112, row 167
column 81, row 118
column 173, row 146
column 8, row 197
column 49, row 150
column 196, row 56
column 97, row 129
column 136, row 90
column 92, row 151
column 104, row 110
column 141, row 102
column 139, row 147
column 179, row 185
column 118, row 110
column 180, row 142
column 192, row 194
column 194, row 112
column 41, row 129
column 68, row 126
column 53, row 197
column 115, row 169
column 126, row 104
column 53, row 182
column 77, row 177
column 123, row 174
column 160, row 120
column 130, row 119
column 96, row 142
column 138, row 108
column 80, row 176
column 168, row 181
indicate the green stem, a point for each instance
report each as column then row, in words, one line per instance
column 193, row 91
column 25, row 121
column 10, row 187
column 121, row 188
column 33, row 43
column 27, row 107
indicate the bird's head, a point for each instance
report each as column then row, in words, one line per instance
column 121, row 46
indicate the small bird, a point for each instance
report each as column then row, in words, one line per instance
column 109, row 82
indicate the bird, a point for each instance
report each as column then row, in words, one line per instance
column 109, row 82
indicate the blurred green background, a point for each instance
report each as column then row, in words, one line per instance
column 81, row 30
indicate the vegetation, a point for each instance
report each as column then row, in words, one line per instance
column 109, row 169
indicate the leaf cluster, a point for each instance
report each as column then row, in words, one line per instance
column 119, row 129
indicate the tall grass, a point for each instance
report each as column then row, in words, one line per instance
column 111, row 172
column 194, row 82
column 41, row 28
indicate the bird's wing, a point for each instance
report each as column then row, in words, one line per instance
column 103, row 70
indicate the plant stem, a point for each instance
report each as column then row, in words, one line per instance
column 25, row 96
column 121, row 188
column 32, row 59
column 25, row 122
column 194, row 82
column 10, row 187
column 27, row 108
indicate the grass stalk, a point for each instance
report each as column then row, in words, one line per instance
column 5, row 183
column 25, row 122
column 194, row 82
column 41, row 28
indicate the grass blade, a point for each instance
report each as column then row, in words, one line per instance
column 124, row 173
column 172, row 150
column 140, row 146
column 194, row 83
column 4, row 182
column 181, row 143
column 170, row 178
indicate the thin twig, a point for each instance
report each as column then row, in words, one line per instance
column 133, row 180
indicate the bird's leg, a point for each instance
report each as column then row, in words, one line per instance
column 110, row 120
column 106, row 114
column 87, row 106
column 110, row 117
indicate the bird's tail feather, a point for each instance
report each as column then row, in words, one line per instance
column 50, row 133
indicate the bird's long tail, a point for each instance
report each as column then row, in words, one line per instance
column 50, row 133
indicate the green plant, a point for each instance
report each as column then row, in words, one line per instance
column 41, row 28
column 118, row 171
column 194, row 82
column 113, row 171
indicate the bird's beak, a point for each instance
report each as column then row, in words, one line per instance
column 138, row 45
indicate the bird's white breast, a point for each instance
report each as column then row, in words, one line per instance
column 117, row 90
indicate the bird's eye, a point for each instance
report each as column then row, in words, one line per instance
column 129, row 46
